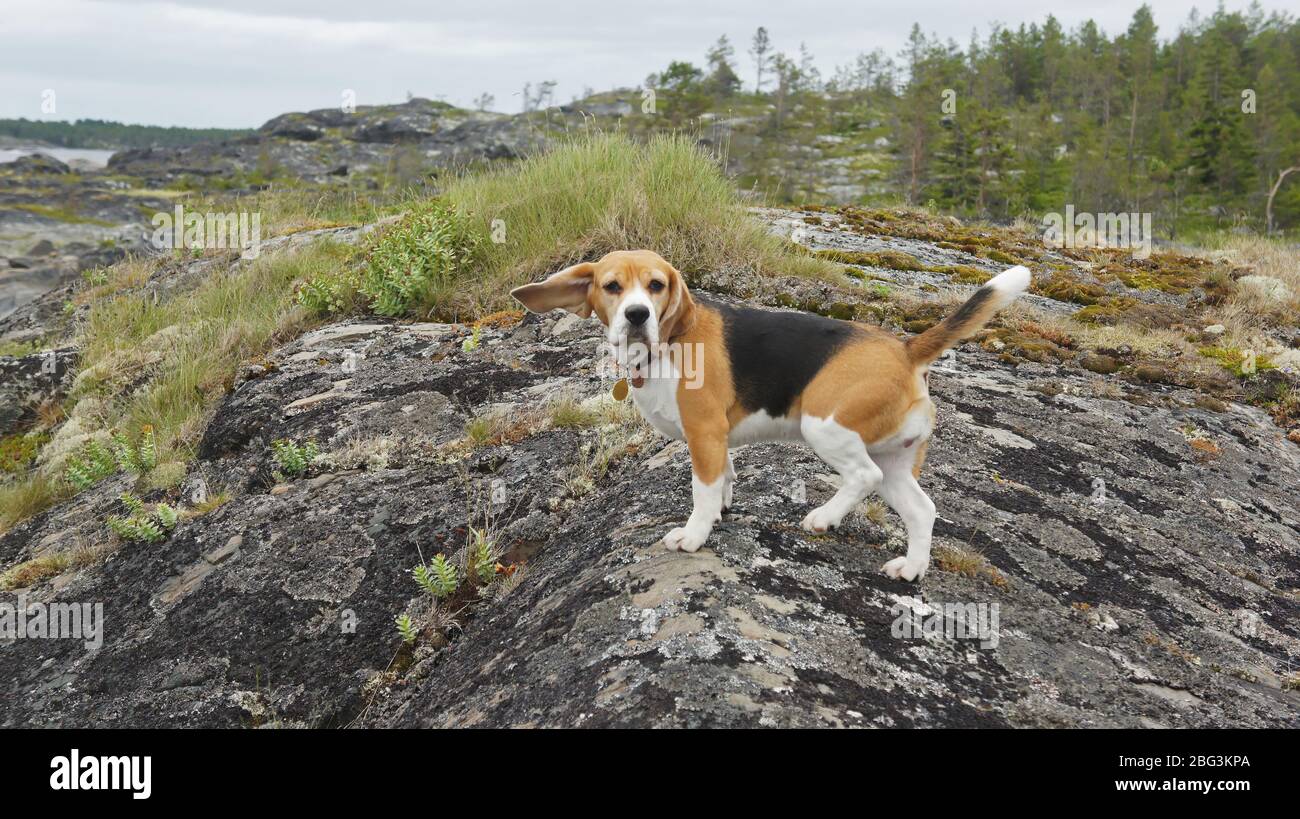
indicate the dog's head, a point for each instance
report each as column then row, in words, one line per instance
column 637, row 295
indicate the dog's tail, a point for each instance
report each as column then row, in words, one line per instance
column 997, row 293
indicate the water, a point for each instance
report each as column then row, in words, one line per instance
column 93, row 158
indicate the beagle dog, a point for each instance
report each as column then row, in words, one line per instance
column 856, row 394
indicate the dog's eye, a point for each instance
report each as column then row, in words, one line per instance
column 656, row 285
column 613, row 287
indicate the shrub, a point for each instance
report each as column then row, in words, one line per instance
column 167, row 515
column 417, row 266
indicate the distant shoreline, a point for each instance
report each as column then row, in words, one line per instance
column 82, row 157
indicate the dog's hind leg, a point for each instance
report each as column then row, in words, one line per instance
column 844, row 450
column 905, row 496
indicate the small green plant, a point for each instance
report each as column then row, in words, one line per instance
column 482, row 557
column 1241, row 363
column 471, row 343
column 406, row 628
column 135, row 529
column 293, row 458
column 332, row 291
column 92, row 465
column 138, row 457
column 133, row 504
column 140, row 524
column 167, row 515
column 439, row 578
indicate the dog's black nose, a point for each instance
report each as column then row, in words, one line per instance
column 637, row 314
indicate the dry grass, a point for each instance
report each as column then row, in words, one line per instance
column 1252, row 319
column 50, row 413
column 378, row 452
column 969, row 563
column 1276, row 258
column 596, row 457
column 1142, row 341
column 568, row 411
column 508, row 425
column 30, row 572
column 502, row 426
column 875, row 511
column 214, row 501
column 128, row 274
column 29, row 496
column 286, row 210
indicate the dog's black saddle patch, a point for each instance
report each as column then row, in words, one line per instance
column 775, row 354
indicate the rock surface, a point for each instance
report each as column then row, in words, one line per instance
column 1135, row 581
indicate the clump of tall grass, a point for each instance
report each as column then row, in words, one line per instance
column 607, row 192
column 457, row 257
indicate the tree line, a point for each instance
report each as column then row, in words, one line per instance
column 107, row 135
column 1197, row 128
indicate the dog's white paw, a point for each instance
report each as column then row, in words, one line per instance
column 901, row 569
column 685, row 539
column 821, row 519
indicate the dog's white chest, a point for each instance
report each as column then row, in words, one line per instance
column 657, row 403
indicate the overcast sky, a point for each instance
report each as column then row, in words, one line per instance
column 237, row 63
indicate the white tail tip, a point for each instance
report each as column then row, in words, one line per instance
column 1011, row 282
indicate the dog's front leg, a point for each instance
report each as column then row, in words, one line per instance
column 708, row 447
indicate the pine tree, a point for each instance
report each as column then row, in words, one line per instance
column 761, row 52
column 722, row 80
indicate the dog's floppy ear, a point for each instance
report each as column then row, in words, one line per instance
column 679, row 315
column 567, row 289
